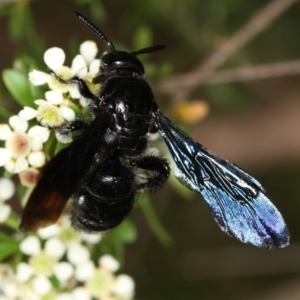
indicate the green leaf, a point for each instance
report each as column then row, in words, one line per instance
column 143, row 37
column 16, row 22
column 5, row 113
column 13, row 221
column 6, row 238
column 156, row 226
column 18, row 85
column 127, row 232
column 183, row 191
column 7, row 249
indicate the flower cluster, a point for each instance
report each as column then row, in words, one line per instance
column 56, row 262
column 57, row 265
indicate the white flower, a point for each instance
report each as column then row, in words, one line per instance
column 27, row 113
column 38, row 77
column 124, row 286
column 56, row 247
column 24, row 272
column 4, row 212
column 7, row 189
column 50, row 231
column 51, row 112
column 41, row 285
column 92, row 238
column 28, row 178
column 54, row 58
column 88, row 50
column 85, row 270
column 17, row 154
column 100, row 284
column 63, row 271
column 84, row 65
column 78, row 254
column 80, row 293
column 109, row 263
column 30, row 245
column 5, row 132
column 42, row 261
column 64, row 296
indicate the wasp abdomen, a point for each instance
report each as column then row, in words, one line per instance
column 105, row 197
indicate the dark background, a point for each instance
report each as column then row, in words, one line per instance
column 255, row 124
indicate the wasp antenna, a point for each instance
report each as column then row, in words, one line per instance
column 96, row 30
column 149, row 49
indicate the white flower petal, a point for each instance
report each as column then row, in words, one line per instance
column 62, row 138
column 88, row 50
column 55, row 248
column 41, row 102
column 37, row 159
column 84, row 102
column 5, row 156
column 78, row 254
column 18, row 124
column 80, row 293
column 41, row 285
column 109, row 263
column 67, row 113
column 5, row 132
column 27, row 113
column 47, row 232
column 74, row 92
column 63, row 271
column 36, row 143
column 54, row 58
column 24, row 272
column 92, row 238
column 7, row 189
column 124, row 286
column 10, row 165
column 40, row 131
column 38, row 77
column 54, row 97
column 4, row 212
column 84, row 271
column 95, row 66
column 64, row 296
column 82, row 72
column 30, row 245
column 78, row 63
column 21, row 164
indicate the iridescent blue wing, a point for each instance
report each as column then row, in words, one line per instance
column 237, row 201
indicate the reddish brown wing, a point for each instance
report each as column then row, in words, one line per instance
column 42, row 213
column 61, row 177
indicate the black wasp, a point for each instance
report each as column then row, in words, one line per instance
column 102, row 168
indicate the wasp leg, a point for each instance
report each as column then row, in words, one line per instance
column 74, row 126
column 81, row 85
column 158, row 166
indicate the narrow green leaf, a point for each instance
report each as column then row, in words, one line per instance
column 13, row 221
column 127, row 231
column 18, row 85
column 156, row 226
